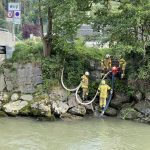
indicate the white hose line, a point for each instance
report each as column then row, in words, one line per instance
column 80, row 101
column 106, row 75
column 71, row 90
column 87, row 103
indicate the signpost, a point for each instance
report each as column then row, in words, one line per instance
column 14, row 15
column 14, row 6
column 17, row 17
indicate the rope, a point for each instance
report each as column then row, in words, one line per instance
column 87, row 103
column 71, row 90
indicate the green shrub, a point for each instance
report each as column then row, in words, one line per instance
column 27, row 51
column 121, row 86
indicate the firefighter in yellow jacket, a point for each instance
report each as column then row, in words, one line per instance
column 103, row 89
column 122, row 65
column 85, row 85
column 106, row 64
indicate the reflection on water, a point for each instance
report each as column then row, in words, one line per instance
column 88, row 134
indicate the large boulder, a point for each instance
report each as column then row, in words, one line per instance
column 41, row 109
column 89, row 108
column 14, row 108
column 26, row 97
column 43, row 97
column 74, row 107
column 3, row 114
column 79, row 110
column 72, row 102
column 118, row 100
column 111, row 112
column 58, row 93
column 59, row 107
column 127, row 105
column 4, row 97
column 147, row 96
column 145, row 119
column 128, row 113
column 14, row 97
column 138, row 96
column 69, row 117
column 143, row 107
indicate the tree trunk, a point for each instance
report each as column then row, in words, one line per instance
column 46, row 39
column 47, row 47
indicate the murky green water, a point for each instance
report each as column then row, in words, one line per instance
column 88, row 134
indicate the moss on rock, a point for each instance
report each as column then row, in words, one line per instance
column 128, row 113
column 3, row 114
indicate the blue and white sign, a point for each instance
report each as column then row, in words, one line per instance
column 17, row 14
column 14, row 6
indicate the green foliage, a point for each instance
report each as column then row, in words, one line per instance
column 144, row 71
column 121, row 86
column 126, row 24
column 129, row 113
column 3, row 23
column 51, row 69
column 27, row 51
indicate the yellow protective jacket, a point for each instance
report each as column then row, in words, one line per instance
column 107, row 63
column 122, row 64
column 103, row 88
column 84, row 81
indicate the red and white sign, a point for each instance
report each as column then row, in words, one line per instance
column 10, row 14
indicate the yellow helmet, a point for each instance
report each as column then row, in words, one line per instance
column 103, row 82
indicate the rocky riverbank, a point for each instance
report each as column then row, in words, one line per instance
column 19, row 95
column 58, row 104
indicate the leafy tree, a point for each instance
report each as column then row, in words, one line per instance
column 62, row 18
column 127, row 24
column 30, row 29
column 2, row 14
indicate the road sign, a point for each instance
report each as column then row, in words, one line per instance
column 17, row 14
column 14, row 6
column 10, row 14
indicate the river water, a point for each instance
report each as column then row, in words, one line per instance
column 87, row 134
